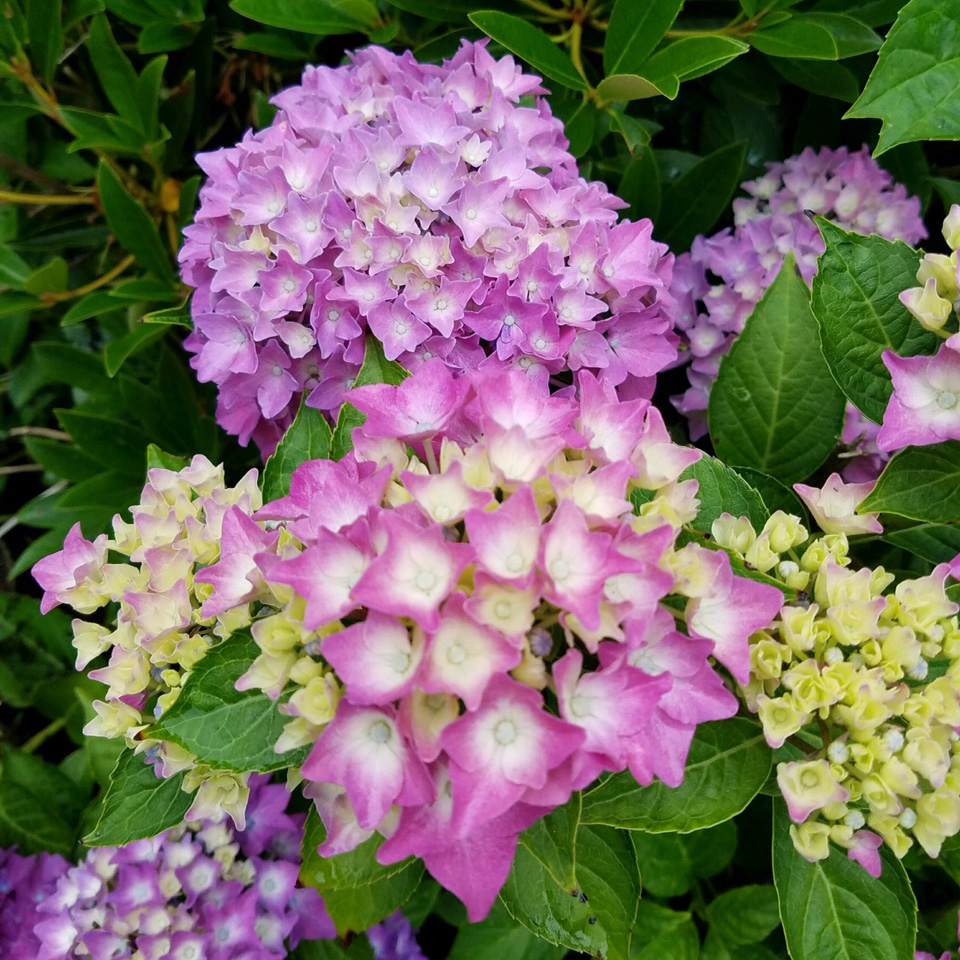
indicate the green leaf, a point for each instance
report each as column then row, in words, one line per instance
column 729, row 762
column 857, row 305
column 64, row 460
column 695, row 200
column 117, row 352
column 499, row 937
column 640, row 186
column 663, row 934
column 164, row 37
column 634, row 31
column 745, row 914
column 13, row 268
column 820, row 76
column 98, row 131
column 530, row 44
column 309, row 437
column 358, row 892
column 138, row 804
column 670, row 862
column 922, row 483
column 172, row 316
column 716, row 948
column 775, row 406
column 776, row 495
column 376, row 368
column 723, row 490
column 114, row 443
column 115, row 72
column 915, row 86
column 132, row 225
column 692, row 57
column 222, row 726
column 938, row 543
column 796, row 37
column 33, row 647
column 45, row 31
column 317, row 16
column 834, row 909
column 144, row 288
column 163, row 460
column 30, row 825
column 44, row 780
column 850, row 34
column 50, row 278
column 630, row 86
column 94, row 304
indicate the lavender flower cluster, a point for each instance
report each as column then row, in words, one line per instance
column 200, row 892
column 426, row 205
column 718, row 283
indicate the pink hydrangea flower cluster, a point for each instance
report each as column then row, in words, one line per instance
column 200, row 891
column 427, row 206
column 719, row 282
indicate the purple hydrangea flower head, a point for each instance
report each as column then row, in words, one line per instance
column 427, row 207
column 718, row 283
column 25, row 883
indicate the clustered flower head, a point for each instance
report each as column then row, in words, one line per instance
column 434, row 207
column 467, row 619
column 158, row 633
column 864, row 682
column 925, row 405
column 198, row 892
column 719, row 282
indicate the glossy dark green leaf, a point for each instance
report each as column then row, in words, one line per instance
column 498, row 937
column 775, row 406
column 94, row 304
column 670, row 863
column 29, row 825
column 850, row 34
column 115, row 72
column 820, row 76
column 936, row 542
column 358, row 892
column 50, row 278
column 693, row 203
column 117, row 352
column 45, row 31
column 915, row 86
column 629, row 86
column 226, row 728
column 65, row 460
column 640, row 186
column 834, row 909
column 44, row 780
column 664, row 934
column 309, row 437
column 723, row 490
column 692, row 57
column 317, row 16
column 530, row 44
column 776, row 495
column 745, row 914
column 634, row 31
column 922, row 483
column 132, row 224
column 729, row 762
column 856, row 301
column 98, row 131
column 165, row 37
column 796, row 37
column 114, row 443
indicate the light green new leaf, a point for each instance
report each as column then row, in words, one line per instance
column 729, row 762
column 223, row 727
column 138, row 804
column 692, row 57
column 634, row 31
column 857, row 306
column 775, row 406
column 922, row 483
column 308, row 438
column 531, row 44
column 630, row 86
column 915, row 86
column 833, row 909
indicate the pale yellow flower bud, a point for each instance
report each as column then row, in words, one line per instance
column 785, row 531
column 733, row 533
column 812, row 840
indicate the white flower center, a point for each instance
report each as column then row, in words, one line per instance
column 273, row 206
column 240, row 337
column 471, row 214
column 502, row 609
column 333, row 315
column 379, row 732
column 401, row 328
column 946, row 400
column 580, row 706
column 433, row 192
column 441, row 305
column 277, row 370
column 560, row 569
column 608, row 271
column 289, row 285
column 514, row 562
column 456, row 654
column 400, row 661
column 505, row 732
column 311, row 226
column 539, row 343
column 425, row 580
column 509, row 320
column 441, row 513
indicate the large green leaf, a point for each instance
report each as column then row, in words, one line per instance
column 729, row 762
column 858, row 309
column 630, row 86
column 670, row 863
column 634, row 31
column 531, row 44
column 834, row 910
column 45, row 30
column 132, row 225
column 358, row 892
column 745, row 914
column 324, row 17
column 922, row 483
column 723, row 490
column 138, row 804
column 30, row 824
column 222, row 726
column 691, row 57
column 693, row 203
column 915, row 86
column 664, row 934
column 775, row 406
column 308, row 438
column 796, row 37
column 936, row 542
column 499, row 937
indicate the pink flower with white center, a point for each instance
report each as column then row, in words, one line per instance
column 363, row 751
column 414, row 574
column 62, row 573
column 612, row 428
column 376, row 659
column 507, row 540
column 446, row 497
column 925, row 405
column 502, row 748
column 463, row 656
column 834, row 506
column 397, row 329
column 418, row 408
column 657, row 458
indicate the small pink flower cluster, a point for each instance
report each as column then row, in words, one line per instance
column 720, row 281
column 445, row 592
column 423, row 204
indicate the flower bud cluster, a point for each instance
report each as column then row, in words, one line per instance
column 199, row 891
column 719, row 282
column 863, row 677
column 468, row 621
column 925, row 405
column 156, row 633
column 431, row 206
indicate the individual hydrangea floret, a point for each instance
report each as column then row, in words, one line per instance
column 719, row 282
column 434, row 207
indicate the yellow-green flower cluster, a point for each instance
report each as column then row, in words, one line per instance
column 864, row 678
column 937, row 297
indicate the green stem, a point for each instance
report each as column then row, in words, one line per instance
column 38, row 739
